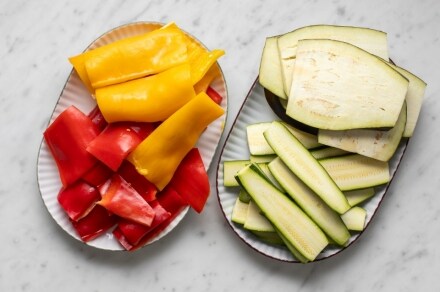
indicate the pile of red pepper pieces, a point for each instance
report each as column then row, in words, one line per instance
column 102, row 191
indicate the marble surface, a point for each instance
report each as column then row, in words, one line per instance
column 398, row 252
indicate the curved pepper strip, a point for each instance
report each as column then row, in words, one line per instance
column 98, row 221
column 200, row 58
column 134, row 232
column 203, row 84
column 138, row 182
column 150, row 99
column 159, row 155
column 201, row 62
column 172, row 202
column 131, row 57
column 67, row 138
column 78, row 199
column 191, row 180
column 122, row 200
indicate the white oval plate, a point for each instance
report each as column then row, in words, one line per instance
column 256, row 109
column 75, row 93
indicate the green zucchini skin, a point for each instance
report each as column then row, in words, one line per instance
column 230, row 168
column 299, row 160
column 324, row 216
column 292, row 223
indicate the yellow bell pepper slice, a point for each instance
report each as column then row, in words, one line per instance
column 149, row 99
column 201, row 62
column 207, row 79
column 200, row 58
column 159, row 155
column 78, row 64
column 132, row 57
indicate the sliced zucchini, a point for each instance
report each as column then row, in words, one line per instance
column 355, row 218
column 299, row 160
column 269, row 237
column 268, row 173
column 255, row 221
column 414, row 98
column 371, row 40
column 293, row 249
column 256, row 142
column 230, row 169
column 259, row 146
column 262, row 158
column 355, row 171
column 356, row 197
column 270, row 68
column 308, row 140
column 325, row 217
column 239, row 212
column 327, row 152
column 292, row 223
column 244, row 196
column 332, row 80
column 376, row 144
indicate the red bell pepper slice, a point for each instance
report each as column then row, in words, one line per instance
column 117, row 233
column 121, row 199
column 191, row 180
column 172, row 202
column 214, row 95
column 97, row 118
column 143, row 129
column 78, row 199
column 98, row 221
column 98, row 174
column 134, row 232
column 137, row 181
column 113, row 144
column 67, row 138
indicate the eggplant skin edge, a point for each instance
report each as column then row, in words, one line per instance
column 278, row 109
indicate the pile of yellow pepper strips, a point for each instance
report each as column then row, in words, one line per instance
column 159, row 76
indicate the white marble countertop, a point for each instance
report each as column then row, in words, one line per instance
column 398, row 252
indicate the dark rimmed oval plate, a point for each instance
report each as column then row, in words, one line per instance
column 253, row 110
column 75, row 93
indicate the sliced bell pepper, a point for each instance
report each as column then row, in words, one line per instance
column 146, row 189
column 113, row 144
column 117, row 233
column 159, row 155
column 97, row 118
column 97, row 175
column 214, row 95
column 131, row 57
column 78, row 199
column 171, row 201
column 134, row 232
column 121, row 199
column 191, row 180
column 200, row 58
column 98, row 221
column 201, row 61
column 67, row 138
column 150, row 99
column 143, row 129
column 203, row 84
